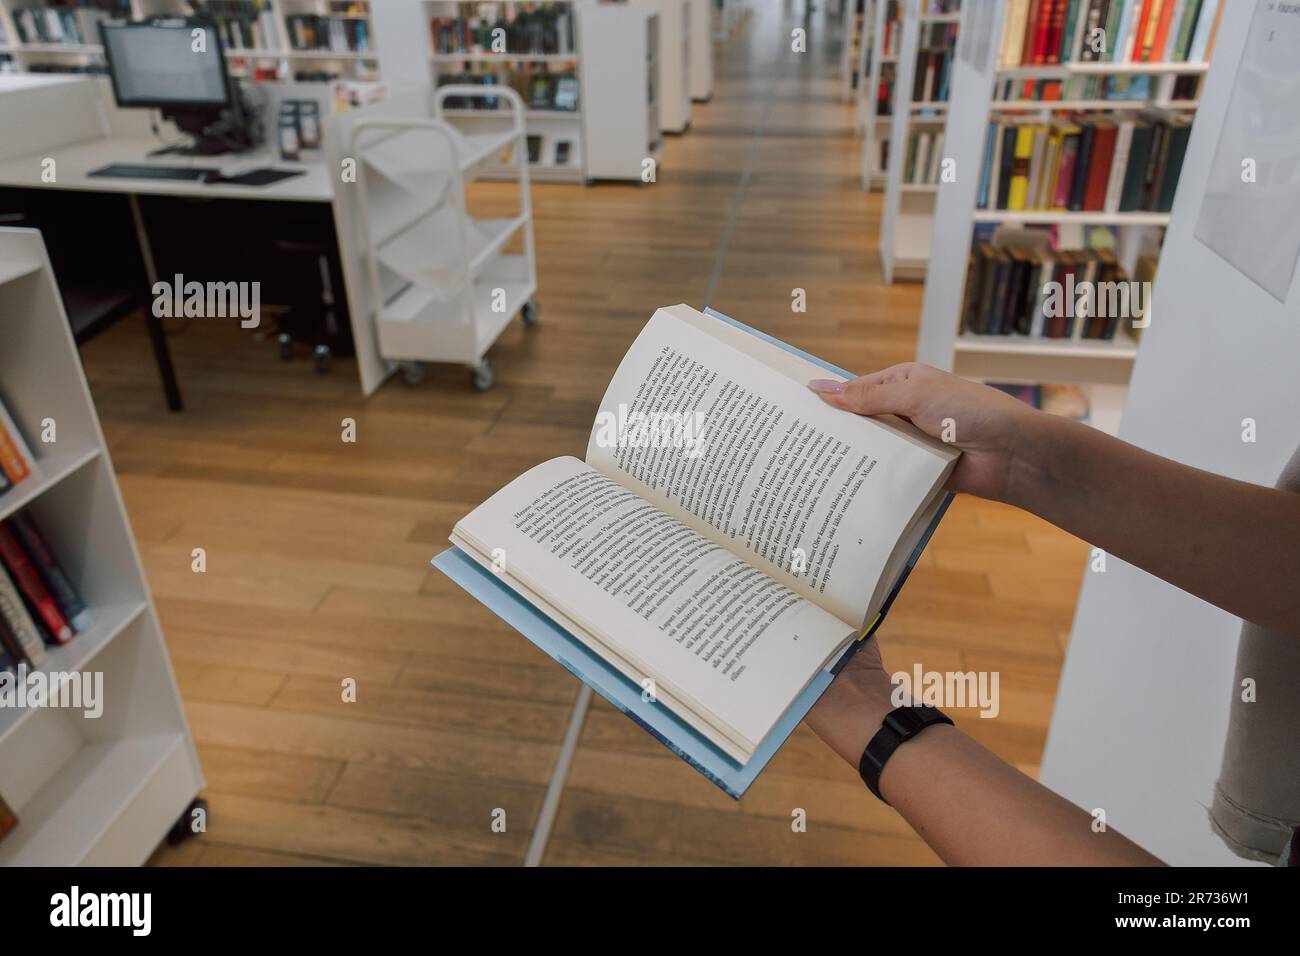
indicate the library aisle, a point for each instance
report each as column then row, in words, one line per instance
column 317, row 550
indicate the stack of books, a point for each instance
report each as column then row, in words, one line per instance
column 1089, row 163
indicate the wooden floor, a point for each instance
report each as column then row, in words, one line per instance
column 318, row 551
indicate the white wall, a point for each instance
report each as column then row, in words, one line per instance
column 1142, row 710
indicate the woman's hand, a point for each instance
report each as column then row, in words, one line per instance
column 854, row 706
column 987, row 425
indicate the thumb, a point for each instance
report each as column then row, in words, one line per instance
column 867, row 395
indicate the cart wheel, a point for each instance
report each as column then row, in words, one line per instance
column 413, row 372
column 484, row 377
column 183, row 828
column 286, row 346
column 530, row 312
column 321, row 358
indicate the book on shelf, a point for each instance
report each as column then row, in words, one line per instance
column 924, row 156
column 934, row 56
column 1084, row 163
column 726, row 543
column 508, row 29
column 71, row 24
column 335, row 34
column 1050, row 32
column 1019, row 284
column 242, row 24
column 17, row 622
column 30, row 570
column 15, row 457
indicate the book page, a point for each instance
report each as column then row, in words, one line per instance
column 740, row 450
column 729, row 644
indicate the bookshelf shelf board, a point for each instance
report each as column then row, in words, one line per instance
column 1051, row 216
column 330, row 55
column 503, row 57
column 71, row 48
column 939, row 106
column 109, row 621
column 99, row 782
column 528, row 114
column 919, row 187
column 46, row 473
column 1099, row 69
column 1116, row 348
column 939, row 18
column 1091, row 105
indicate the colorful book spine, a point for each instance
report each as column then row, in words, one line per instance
column 19, row 622
column 56, row 581
column 29, row 582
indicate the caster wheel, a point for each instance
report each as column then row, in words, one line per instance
column 530, row 313
column 413, row 373
column 484, row 377
column 286, row 346
column 321, row 358
column 183, row 828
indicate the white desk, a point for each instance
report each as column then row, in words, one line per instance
column 74, row 163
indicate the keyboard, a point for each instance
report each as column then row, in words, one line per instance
column 130, row 171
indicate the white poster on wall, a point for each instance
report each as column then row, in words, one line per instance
column 1250, row 214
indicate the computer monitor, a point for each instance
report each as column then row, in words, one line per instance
column 177, row 65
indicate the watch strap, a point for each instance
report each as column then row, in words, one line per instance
column 899, row 726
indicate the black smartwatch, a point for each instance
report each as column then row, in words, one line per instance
column 900, row 725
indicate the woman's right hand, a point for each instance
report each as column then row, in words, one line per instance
column 986, row 424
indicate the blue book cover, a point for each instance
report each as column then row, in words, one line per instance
column 627, row 695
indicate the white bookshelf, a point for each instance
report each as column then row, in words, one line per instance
column 853, row 31
column 621, row 112
column 907, row 216
column 1100, row 368
column 674, row 58
column 878, row 53
column 701, row 51
column 557, row 133
column 87, row 791
column 283, row 57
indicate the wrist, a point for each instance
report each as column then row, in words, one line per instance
column 851, row 711
column 1031, row 455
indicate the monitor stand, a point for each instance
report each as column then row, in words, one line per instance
column 213, row 131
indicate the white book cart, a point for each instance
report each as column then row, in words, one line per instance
column 442, row 285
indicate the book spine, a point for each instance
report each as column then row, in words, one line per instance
column 1019, row 189
column 1008, row 161
column 1204, row 26
column 1119, row 163
column 1033, row 14
column 13, row 464
column 56, row 581
column 1191, row 15
column 1114, row 28
column 985, row 172
column 1041, row 34
column 1082, row 164
column 1178, row 139
column 1065, row 171
column 29, row 582
column 1161, row 37
column 1134, row 174
column 1147, row 32
column 1103, row 153
column 1051, row 50
column 19, row 621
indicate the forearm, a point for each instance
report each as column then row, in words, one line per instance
column 971, row 807
column 1231, row 543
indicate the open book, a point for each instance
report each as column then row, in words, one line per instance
column 728, row 536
